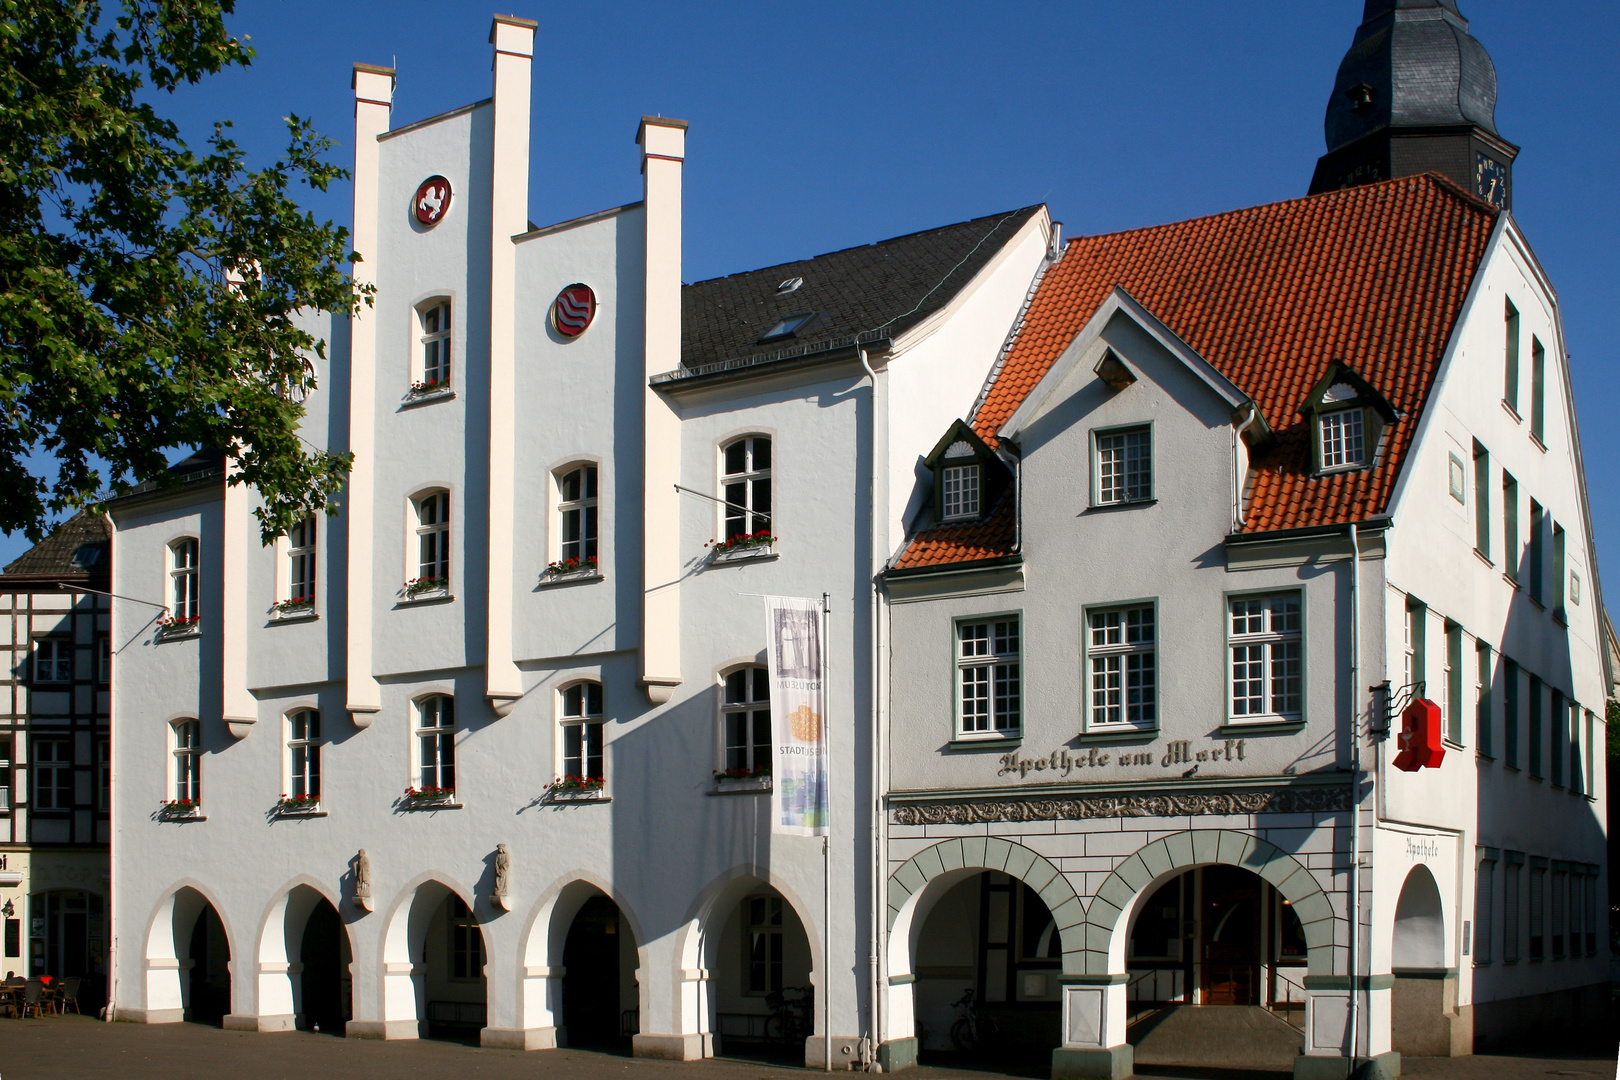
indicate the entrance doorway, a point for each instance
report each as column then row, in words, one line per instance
column 987, row 968
column 600, row 1007
column 453, row 984
column 1217, row 935
column 325, row 989
column 209, row 981
column 70, row 941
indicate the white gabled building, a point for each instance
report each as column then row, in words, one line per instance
column 332, row 764
column 1243, row 489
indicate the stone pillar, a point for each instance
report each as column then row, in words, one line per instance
column 670, row 1023
column 1093, row 1020
column 1327, row 1047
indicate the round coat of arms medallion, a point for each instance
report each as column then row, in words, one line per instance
column 573, row 310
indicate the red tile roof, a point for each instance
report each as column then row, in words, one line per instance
column 1270, row 296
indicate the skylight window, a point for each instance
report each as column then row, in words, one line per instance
column 786, row 328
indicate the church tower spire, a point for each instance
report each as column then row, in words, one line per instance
column 1415, row 92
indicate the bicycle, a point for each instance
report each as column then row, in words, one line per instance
column 972, row 1032
column 792, row 1010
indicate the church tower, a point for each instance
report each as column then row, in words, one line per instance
column 1415, row 93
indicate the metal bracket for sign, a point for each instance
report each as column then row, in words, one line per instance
column 1388, row 704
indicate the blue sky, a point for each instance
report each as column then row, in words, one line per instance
column 816, row 126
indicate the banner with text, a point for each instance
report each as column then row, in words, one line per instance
column 794, row 640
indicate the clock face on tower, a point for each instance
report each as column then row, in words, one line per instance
column 1490, row 179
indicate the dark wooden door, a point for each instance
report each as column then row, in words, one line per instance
column 1230, row 937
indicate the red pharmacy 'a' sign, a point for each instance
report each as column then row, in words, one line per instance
column 432, row 200
column 1419, row 738
column 573, row 310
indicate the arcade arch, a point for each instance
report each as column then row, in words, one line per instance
column 304, row 979
column 433, row 956
column 188, row 955
column 581, row 966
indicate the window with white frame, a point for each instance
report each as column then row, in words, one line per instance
column 1124, row 466
column 53, row 660
column 435, row 318
column 576, row 511
column 745, row 721
column 183, row 579
column 988, row 666
column 961, row 490
column 763, row 945
column 304, row 754
column 1264, row 637
column 436, row 743
column 187, row 761
column 1343, row 439
column 53, row 775
column 746, row 482
column 432, row 542
column 301, row 561
column 1120, row 652
column 581, row 723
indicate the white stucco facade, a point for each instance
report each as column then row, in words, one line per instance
column 463, row 908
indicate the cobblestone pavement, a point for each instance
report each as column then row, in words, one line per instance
column 75, row 1048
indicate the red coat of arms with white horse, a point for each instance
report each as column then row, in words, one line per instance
column 432, row 201
column 573, row 310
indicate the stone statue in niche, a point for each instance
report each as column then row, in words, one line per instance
column 503, row 872
column 362, row 881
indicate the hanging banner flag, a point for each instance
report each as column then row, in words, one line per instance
column 794, row 639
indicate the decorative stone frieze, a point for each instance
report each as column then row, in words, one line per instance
column 1180, row 804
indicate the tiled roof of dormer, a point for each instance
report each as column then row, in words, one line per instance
column 877, row 291
column 1270, row 296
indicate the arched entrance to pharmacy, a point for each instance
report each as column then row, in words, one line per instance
column 750, row 937
column 981, row 931
column 1209, row 930
column 304, row 957
column 433, row 965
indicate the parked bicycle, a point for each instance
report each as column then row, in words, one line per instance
column 973, row 1030
column 792, row 1018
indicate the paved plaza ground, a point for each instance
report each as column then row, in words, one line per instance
column 80, row 1048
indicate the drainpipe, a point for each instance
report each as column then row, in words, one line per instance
column 874, row 963
column 1355, row 787
column 1237, row 474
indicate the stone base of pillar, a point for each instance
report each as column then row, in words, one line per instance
column 1109, row 1063
column 242, row 1022
column 149, row 1016
column 670, row 1047
column 846, row 1052
column 536, row 1038
column 381, row 1029
column 1377, row 1067
column 897, row 1054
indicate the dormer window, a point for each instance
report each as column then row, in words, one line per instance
column 1124, row 466
column 961, row 492
column 1344, row 444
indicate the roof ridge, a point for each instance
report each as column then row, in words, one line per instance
column 1004, row 214
column 1440, row 180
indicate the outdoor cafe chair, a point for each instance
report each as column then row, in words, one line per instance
column 68, row 995
column 33, row 998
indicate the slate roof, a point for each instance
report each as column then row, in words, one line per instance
column 54, row 556
column 1270, row 296
column 204, row 465
column 876, row 291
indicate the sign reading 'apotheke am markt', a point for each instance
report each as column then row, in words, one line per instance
column 1177, row 752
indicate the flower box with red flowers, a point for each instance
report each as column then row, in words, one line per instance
column 425, row 588
column 298, row 804
column 299, row 607
column 755, row 545
column 179, row 626
column 572, row 569
column 575, row 789
column 743, row 779
column 430, row 796
column 181, row 809
column 429, row 388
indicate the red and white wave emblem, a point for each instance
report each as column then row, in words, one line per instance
column 432, row 200
column 573, row 310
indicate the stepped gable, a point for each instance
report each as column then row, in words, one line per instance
column 1270, row 296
